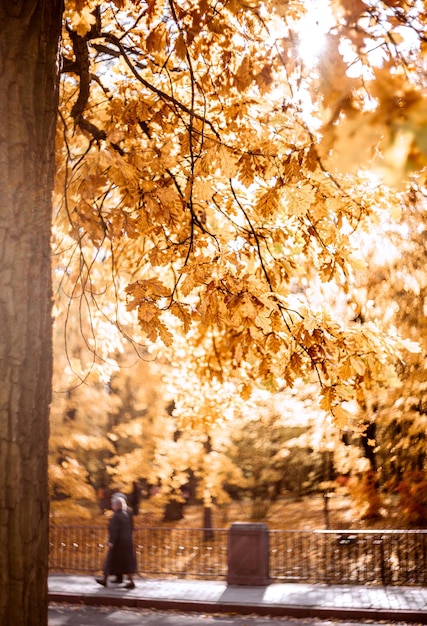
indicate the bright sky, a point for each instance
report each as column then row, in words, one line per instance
column 312, row 29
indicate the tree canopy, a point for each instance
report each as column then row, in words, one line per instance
column 219, row 170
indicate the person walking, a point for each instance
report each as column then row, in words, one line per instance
column 121, row 557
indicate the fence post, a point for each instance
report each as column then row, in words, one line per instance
column 248, row 554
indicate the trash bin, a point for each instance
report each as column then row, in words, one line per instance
column 248, row 554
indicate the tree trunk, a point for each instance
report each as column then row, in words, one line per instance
column 30, row 34
column 207, row 523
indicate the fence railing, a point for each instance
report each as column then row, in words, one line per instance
column 384, row 557
column 394, row 557
column 186, row 553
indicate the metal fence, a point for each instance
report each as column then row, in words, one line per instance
column 392, row 557
column 384, row 557
column 185, row 553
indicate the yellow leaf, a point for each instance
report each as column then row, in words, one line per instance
column 328, row 396
column 246, row 391
column 147, row 312
column 268, row 203
column 227, row 162
column 246, row 169
column 296, row 363
column 180, row 47
column 147, row 289
column 292, row 170
column 264, row 79
column 342, row 417
column 358, row 365
column 345, row 371
column 180, row 311
column 157, row 39
column 300, row 199
column 82, row 22
column 311, row 160
column 243, row 77
column 165, row 335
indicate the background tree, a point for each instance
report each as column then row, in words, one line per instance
column 108, row 413
column 275, row 444
column 81, row 404
column 395, row 290
column 202, row 418
column 287, row 196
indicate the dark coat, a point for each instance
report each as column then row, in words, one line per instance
column 121, row 557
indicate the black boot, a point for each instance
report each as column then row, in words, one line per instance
column 101, row 581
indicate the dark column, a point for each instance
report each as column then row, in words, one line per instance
column 248, row 554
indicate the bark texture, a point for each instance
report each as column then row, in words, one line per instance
column 30, row 33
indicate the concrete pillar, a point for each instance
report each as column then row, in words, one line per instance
column 248, row 554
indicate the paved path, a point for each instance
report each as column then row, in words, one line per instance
column 405, row 604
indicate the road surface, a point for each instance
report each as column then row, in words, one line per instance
column 75, row 615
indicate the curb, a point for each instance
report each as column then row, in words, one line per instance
column 274, row 610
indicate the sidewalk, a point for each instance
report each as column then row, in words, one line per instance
column 406, row 604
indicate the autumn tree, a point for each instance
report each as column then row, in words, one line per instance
column 277, row 445
column 110, row 409
column 395, row 291
column 203, row 170
column 205, row 441
column 212, row 195
column 140, row 421
column 265, row 209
